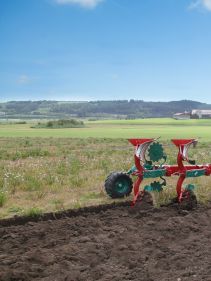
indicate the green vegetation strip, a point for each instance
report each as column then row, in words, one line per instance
column 165, row 128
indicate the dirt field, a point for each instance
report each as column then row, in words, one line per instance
column 101, row 243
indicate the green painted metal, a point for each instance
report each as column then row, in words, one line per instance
column 195, row 173
column 132, row 170
column 154, row 186
column 148, row 188
column 156, row 152
column 190, row 187
column 121, row 185
column 154, row 173
column 148, row 166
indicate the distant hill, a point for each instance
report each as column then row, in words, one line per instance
column 96, row 109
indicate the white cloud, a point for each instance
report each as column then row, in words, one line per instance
column 82, row 3
column 201, row 3
column 207, row 4
column 23, row 79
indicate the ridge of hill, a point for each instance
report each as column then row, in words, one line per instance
column 97, row 109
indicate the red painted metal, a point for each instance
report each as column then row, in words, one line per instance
column 180, row 169
column 182, row 142
column 179, row 186
column 136, row 142
column 136, row 189
column 141, row 146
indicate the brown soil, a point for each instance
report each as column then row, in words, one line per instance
column 109, row 243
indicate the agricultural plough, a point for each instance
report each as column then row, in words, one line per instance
column 150, row 161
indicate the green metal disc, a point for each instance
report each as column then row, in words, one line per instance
column 157, row 186
column 154, row 186
column 155, row 152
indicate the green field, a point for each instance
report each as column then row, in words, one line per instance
column 165, row 128
column 45, row 170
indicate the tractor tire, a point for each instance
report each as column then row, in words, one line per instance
column 118, row 185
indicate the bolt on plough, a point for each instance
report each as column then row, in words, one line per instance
column 120, row 184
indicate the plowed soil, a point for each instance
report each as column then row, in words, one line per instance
column 109, row 243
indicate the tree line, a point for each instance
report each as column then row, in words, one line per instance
column 126, row 108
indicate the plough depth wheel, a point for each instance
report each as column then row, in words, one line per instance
column 118, row 185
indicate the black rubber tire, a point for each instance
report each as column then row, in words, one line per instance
column 112, row 181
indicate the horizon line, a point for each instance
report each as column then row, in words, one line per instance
column 81, row 101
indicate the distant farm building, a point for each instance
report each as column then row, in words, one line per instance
column 200, row 114
column 182, row 116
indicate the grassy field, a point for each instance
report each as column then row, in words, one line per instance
column 54, row 169
column 165, row 128
column 157, row 121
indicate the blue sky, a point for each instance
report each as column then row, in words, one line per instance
column 153, row 50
